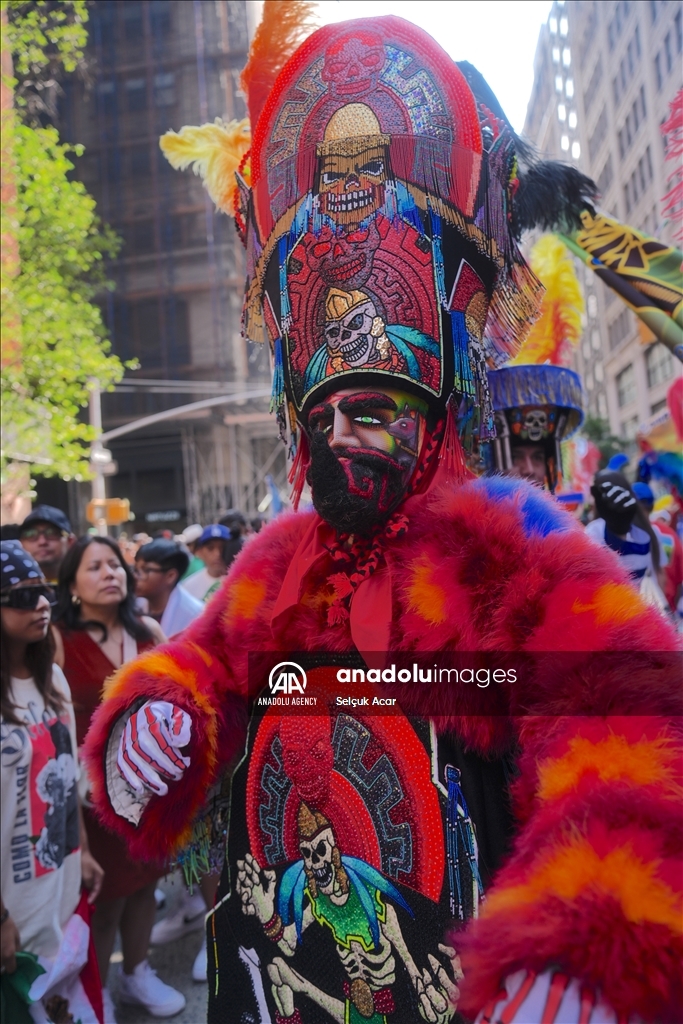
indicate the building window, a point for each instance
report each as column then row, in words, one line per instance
column 606, row 175
column 658, row 72
column 668, row 52
column 678, row 26
column 562, row 112
column 106, row 92
column 629, row 428
column 566, row 56
column 556, row 55
column 164, row 89
column 658, row 406
column 619, row 329
column 136, row 92
column 653, row 11
column 626, row 386
column 552, row 25
column 602, row 405
column 592, row 90
column 141, row 237
column 573, row 120
column 569, row 88
column 152, row 330
column 564, row 142
column 576, row 150
column 659, row 364
column 627, row 198
column 132, row 20
column 564, row 26
column 139, row 161
column 559, row 85
column 161, row 17
column 598, row 136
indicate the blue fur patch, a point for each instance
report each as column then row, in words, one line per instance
column 540, row 514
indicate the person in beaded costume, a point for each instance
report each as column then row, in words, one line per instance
column 384, row 274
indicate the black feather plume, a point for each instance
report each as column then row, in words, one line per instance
column 552, row 196
column 483, row 93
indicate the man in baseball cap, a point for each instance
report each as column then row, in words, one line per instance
column 46, row 534
column 210, row 547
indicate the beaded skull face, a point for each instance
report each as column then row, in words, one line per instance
column 353, row 165
column 353, row 63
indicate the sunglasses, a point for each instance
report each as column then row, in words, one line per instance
column 48, row 532
column 25, row 599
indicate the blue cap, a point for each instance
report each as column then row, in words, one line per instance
column 643, row 492
column 214, row 532
column 618, row 461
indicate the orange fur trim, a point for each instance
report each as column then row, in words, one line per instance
column 576, row 868
column 283, row 27
column 204, row 655
column 612, row 603
column 425, row 597
column 244, row 599
column 644, row 763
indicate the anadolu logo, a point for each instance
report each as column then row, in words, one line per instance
column 287, row 677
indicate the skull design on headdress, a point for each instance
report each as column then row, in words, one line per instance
column 378, row 165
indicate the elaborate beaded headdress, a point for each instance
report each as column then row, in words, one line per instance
column 380, row 205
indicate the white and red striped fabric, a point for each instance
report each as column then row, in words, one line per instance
column 548, row 998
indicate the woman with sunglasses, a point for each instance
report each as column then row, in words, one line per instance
column 45, row 854
column 101, row 631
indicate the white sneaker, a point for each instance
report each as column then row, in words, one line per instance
column 143, row 988
column 108, row 1007
column 189, row 917
column 199, row 966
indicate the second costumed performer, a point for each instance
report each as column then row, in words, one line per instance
column 380, row 205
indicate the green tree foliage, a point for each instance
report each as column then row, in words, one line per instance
column 63, row 344
column 597, row 430
column 61, row 248
column 45, row 38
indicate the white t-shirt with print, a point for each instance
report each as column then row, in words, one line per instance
column 40, row 870
column 201, row 584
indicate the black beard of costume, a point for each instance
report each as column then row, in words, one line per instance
column 357, row 499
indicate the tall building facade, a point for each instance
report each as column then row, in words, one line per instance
column 604, row 75
column 156, row 65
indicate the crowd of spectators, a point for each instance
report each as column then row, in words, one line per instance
column 74, row 609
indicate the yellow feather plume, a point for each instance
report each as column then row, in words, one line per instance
column 558, row 328
column 215, row 152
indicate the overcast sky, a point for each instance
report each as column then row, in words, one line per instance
column 497, row 36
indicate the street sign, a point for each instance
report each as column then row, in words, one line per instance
column 113, row 511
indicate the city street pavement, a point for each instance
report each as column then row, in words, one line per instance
column 173, row 963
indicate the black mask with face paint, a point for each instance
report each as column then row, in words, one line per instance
column 354, row 490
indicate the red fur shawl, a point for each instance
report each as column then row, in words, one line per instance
column 594, row 882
